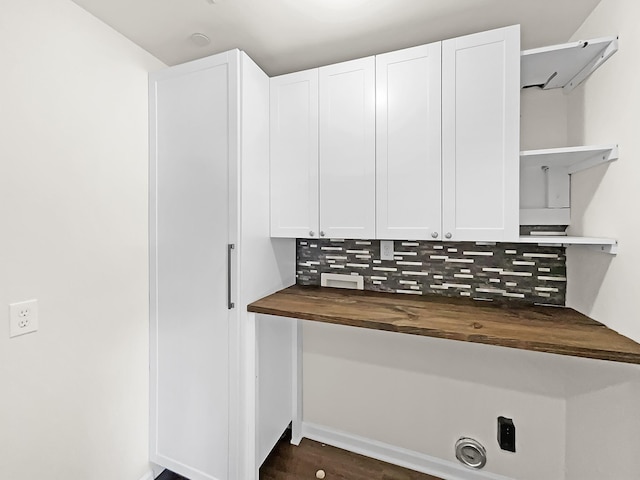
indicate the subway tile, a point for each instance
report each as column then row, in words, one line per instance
column 501, row 272
column 516, row 274
column 456, row 285
column 540, row 255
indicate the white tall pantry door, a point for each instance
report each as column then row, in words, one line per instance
column 189, row 215
column 481, row 136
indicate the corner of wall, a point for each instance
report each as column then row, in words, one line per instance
column 602, row 111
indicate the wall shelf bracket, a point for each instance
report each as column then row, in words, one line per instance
column 566, row 65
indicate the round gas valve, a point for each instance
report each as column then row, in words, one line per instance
column 471, row 453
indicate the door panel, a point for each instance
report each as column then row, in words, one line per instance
column 189, row 316
column 480, row 138
column 347, row 149
column 408, row 153
column 294, row 155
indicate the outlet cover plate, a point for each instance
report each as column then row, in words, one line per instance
column 23, row 318
column 386, row 250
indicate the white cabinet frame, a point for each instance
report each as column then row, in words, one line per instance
column 347, row 149
column 294, row 155
column 408, row 143
column 481, row 136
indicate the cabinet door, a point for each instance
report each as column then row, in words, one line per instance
column 480, row 136
column 294, row 155
column 347, row 149
column 189, row 233
column 408, row 155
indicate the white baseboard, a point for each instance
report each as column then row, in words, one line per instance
column 155, row 472
column 395, row 455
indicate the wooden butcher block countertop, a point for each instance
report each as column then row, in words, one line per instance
column 557, row 330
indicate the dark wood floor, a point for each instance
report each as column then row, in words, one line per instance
column 167, row 475
column 288, row 462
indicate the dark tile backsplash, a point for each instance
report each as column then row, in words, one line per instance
column 485, row 271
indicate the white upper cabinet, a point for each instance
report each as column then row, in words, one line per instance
column 294, row 155
column 408, row 151
column 480, row 136
column 416, row 144
column 347, row 149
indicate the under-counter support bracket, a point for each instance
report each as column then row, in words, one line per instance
column 611, row 249
column 604, row 245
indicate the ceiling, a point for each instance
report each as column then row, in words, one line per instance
column 289, row 35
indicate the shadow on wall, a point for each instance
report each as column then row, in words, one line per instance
column 582, row 263
column 591, row 267
column 583, row 186
column 576, row 128
column 518, row 370
column 602, row 439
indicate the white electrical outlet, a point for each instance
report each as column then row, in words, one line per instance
column 386, row 249
column 23, row 318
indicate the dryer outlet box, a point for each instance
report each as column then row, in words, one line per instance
column 506, row 434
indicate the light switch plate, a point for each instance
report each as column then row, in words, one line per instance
column 386, row 249
column 23, row 317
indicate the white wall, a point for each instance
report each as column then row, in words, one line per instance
column 423, row 394
column 602, row 433
column 606, row 109
column 543, row 124
column 73, row 234
column 543, row 119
